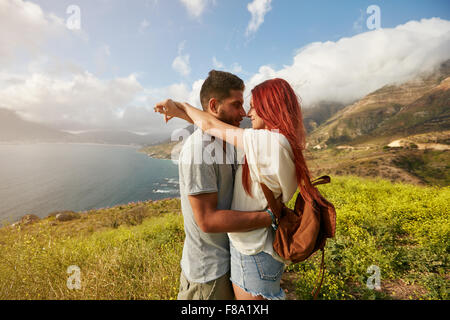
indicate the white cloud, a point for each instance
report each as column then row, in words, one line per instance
column 351, row 68
column 143, row 25
column 196, row 7
column 144, row 117
column 178, row 91
column 181, row 63
column 24, row 26
column 217, row 64
column 84, row 102
column 258, row 10
column 81, row 102
column 194, row 95
column 234, row 68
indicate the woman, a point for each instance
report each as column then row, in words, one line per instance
column 273, row 156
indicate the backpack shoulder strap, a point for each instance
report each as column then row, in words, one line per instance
column 321, row 180
column 300, row 202
column 318, row 284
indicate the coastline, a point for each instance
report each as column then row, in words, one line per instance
column 5, row 222
column 79, row 143
column 164, row 151
column 155, row 193
column 152, row 156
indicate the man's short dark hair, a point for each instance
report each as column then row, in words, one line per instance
column 218, row 85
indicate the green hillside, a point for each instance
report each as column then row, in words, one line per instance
column 418, row 162
column 133, row 251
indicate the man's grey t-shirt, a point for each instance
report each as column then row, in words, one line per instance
column 206, row 257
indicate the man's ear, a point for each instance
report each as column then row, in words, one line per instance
column 213, row 105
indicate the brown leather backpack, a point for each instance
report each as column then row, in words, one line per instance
column 304, row 230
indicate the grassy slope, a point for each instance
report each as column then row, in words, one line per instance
column 408, row 165
column 125, row 252
column 403, row 229
column 133, row 251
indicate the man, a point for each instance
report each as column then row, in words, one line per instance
column 206, row 190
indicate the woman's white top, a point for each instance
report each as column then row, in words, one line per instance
column 271, row 162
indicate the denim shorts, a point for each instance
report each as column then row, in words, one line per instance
column 259, row 274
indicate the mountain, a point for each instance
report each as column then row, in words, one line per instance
column 417, row 106
column 431, row 112
column 120, row 137
column 14, row 129
column 315, row 115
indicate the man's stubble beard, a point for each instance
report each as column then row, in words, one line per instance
column 223, row 117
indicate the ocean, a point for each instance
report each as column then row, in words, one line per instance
column 43, row 178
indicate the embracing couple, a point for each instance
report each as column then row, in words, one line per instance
column 228, row 250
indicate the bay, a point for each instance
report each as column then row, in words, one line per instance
column 43, row 178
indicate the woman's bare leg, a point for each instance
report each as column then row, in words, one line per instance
column 241, row 294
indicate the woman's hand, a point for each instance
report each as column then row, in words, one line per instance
column 170, row 110
column 206, row 121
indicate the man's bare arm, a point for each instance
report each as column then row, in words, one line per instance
column 211, row 220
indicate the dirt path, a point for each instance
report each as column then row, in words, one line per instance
column 421, row 146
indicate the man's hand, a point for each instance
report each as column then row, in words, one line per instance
column 277, row 207
column 211, row 220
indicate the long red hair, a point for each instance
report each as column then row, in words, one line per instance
column 277, row 104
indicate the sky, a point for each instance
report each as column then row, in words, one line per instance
column 103, row 64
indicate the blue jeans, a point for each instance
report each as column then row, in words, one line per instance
column 259, row 274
